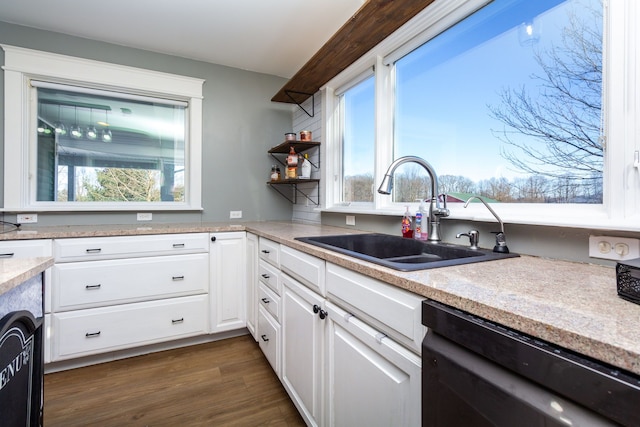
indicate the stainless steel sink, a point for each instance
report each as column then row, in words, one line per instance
column 402, row 254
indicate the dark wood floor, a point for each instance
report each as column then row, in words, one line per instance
column 225, row 383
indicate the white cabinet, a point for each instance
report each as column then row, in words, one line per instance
column 350, row 344
column 114, row 293
column 91, row 331
column 269, row 288
column 252, row 284
column 371, row 380
column 269, row 340
column 228, row 278
column 79, row 285
column 303, row 323
column 385, row 307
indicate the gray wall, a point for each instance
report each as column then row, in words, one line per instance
column 239, row 122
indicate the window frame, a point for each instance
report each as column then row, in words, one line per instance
column 621, row 100
column 21, row 65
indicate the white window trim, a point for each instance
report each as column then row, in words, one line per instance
column 621, row 71
column 22, row 64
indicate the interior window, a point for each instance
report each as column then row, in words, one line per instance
column 93, row 136
column 506, row 104
column 358, row 142
column 108, row 147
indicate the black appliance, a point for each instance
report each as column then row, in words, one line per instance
column 478, row 373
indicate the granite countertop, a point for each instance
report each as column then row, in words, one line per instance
column 14, row 272
column 573, row 305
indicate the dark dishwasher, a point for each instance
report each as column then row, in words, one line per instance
column 478, row 373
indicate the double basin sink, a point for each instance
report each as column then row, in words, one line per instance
column 401, row 253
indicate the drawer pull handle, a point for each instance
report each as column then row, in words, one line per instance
column 8, row 255
column 92, row 287
column 94, row 250
column 266, row 301
column 176, row 321
column 266, row 276
column 178, row 245
column 92, row 334
column 264, row 251
column 264, row 338
column 177, row 278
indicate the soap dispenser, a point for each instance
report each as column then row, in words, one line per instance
column 421, row 232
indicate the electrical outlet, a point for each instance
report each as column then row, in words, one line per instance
column 615, row 248
column 27, row 218
column 144, row 216
column 351, row 220
column 235, row 214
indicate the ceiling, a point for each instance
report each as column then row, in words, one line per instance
column 275, row 37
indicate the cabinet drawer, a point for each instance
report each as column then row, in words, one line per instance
column 392, row 310
column 306, row 268
column 269, row 251
column 99, row 283
column 269, row 300
column 95, row 248
column 10, row 249
column 269, row 339
column 270, row 276
column 85, row 332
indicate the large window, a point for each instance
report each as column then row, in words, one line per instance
column 358, row 142
column 105, row 148
column 531, row 104
column 507, row 104
column 88, row 136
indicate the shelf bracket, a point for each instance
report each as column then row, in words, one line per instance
column 299, row 104
column 294, row 199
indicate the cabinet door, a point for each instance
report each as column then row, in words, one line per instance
column 252, row 284
column 227, row 287
column 303, row 348
column 371, row 380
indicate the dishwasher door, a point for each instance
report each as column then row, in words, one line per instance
column 462, row 388
column 477, row 373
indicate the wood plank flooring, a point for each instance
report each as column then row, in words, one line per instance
column 224, row 383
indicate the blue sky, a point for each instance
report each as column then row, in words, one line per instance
column 444, row 110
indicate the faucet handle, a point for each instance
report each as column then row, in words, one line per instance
column 441, row 211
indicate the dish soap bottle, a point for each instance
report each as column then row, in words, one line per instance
column 305, row 167
column 421, row 232
column 406, row 224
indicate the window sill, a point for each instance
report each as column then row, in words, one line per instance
column 590, row 216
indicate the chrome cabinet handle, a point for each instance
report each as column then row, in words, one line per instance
column 93, row 250
column 92, row 287
column 92, row 334
column 176, row 321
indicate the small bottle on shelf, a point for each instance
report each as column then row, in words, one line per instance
column 305, row 167
column 292, row 164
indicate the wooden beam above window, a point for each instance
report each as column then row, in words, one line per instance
column 371, row 24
